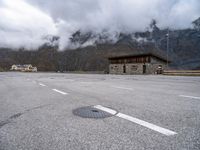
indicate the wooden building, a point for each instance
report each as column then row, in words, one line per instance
column 145, row 63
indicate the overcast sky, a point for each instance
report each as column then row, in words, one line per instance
column 25, row 22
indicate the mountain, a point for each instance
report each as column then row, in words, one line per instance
column 89, row 51
column 184, row 48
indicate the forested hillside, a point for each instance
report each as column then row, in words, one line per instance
column 184, row 50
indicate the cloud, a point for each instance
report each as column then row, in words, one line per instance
column 24, row 22
column 22, row 25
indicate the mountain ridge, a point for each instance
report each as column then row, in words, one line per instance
column 89, row 51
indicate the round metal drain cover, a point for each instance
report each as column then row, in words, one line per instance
column 91, row 112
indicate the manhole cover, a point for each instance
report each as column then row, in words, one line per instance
column 91, row 112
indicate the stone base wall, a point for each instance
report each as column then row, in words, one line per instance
column 116, row 69
column 135, row 68
column 129, row 69
column 153, row 68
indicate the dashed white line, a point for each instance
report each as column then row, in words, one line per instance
column 187, row 96
column 61, row 92
column 41, row 84
column 124, row 88
column 137, row 121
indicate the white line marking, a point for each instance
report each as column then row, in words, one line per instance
column 124, row 88
column 147, row 125
column 61, row 92
column 194, row 97
column 41, row 84
column 138, row 121
column 108, row 110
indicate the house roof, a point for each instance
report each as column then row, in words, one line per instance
column 26, row 65
column 137, row 53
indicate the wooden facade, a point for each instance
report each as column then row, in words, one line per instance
column 140, row 59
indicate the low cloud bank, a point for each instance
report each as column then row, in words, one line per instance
column 26, row 23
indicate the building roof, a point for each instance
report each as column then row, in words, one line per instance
column 23, row 66
column 151, row 52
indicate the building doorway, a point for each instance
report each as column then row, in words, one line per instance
column 124, row 68
column 144, row 69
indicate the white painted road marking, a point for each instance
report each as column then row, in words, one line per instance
column 61, row 92
column 41, row 84
column 147, row 125
column 137, row 121
column 108, row 110
column 193, row 97
column 124, row 88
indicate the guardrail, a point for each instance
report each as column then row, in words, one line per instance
column 182, row 72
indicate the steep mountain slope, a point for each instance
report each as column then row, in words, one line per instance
column 91, row 50
column 184, row 45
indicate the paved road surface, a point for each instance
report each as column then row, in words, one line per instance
column 154, row 112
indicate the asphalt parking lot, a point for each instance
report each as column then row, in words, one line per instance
column 146, row 112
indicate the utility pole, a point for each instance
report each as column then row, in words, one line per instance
column 168, row 49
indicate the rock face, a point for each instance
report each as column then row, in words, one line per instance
column 184, row 45
column 92, row 50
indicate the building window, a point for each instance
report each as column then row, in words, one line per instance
column 134, row 68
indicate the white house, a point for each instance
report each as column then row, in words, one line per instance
column 24, row 68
